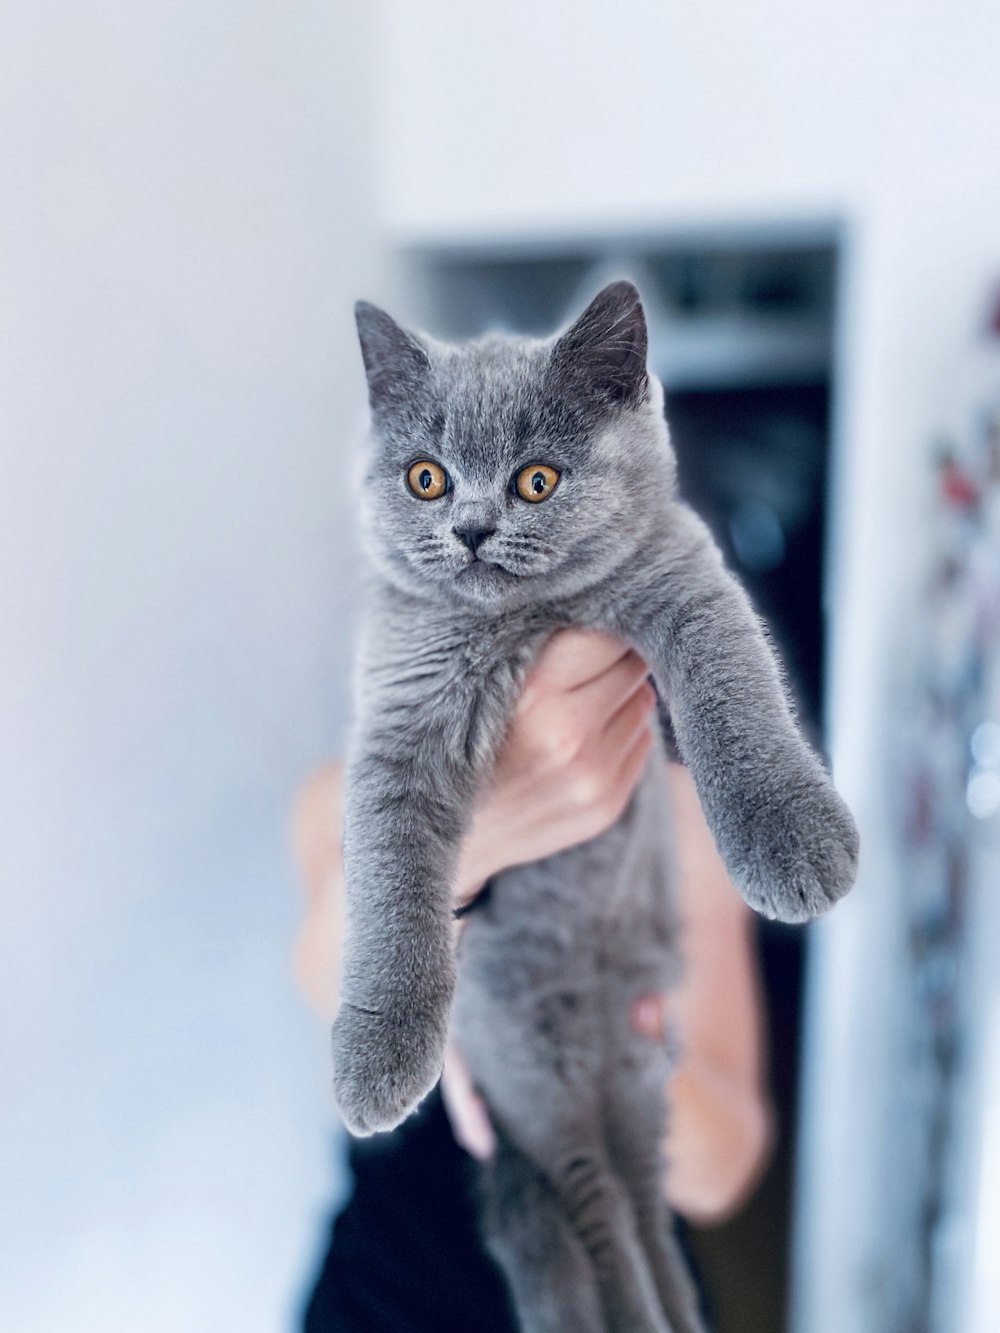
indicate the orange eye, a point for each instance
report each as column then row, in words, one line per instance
column 536, row 482
column 427, row 480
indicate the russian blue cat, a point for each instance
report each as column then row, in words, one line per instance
column 515, row 487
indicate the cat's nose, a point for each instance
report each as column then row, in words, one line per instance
column 473, row 537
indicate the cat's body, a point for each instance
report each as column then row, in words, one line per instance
column 549, row 967
column 479, row 556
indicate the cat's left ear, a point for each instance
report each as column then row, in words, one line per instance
column 396, row 362
column 605, row 350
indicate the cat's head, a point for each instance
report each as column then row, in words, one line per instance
column 507, row 471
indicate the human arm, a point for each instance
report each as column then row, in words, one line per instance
column 721, row 1119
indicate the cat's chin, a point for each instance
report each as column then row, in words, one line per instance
column 485, row 582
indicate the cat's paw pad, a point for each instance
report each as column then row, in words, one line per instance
column 383, row 1067
column 804, row 856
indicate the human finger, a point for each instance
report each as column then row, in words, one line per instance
column 622, row 727
column 599, row 786
column 470, row 1122
column 572, row 657
column 592, row 723
column 597, row 770
column 568, row 740
column 632, row 765
column 601, row 697
column 603, row 762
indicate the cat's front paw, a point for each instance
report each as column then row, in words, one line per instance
column 803, row 853
column 384, row 1065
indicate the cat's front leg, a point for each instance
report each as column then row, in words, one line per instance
column 429, row 729
column 404, row 816
column 787, row 837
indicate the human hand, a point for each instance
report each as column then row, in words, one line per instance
column 575, row 749
column 470, row 1121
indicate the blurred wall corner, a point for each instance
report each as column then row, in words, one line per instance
column 940, row 1182
column 896, row 1147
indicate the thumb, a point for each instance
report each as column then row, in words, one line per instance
column 470, row 1122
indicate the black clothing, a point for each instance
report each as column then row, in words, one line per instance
column 404, row 1253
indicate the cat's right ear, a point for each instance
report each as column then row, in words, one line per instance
column 604, row 352
column 396, row 363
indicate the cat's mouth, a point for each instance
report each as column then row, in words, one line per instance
column 477, row 568
column 484, row 578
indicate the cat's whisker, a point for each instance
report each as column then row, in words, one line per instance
column 523, row 541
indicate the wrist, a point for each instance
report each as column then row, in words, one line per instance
column 469, row 880
column 478, row 861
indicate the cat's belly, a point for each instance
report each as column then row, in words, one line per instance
column 579, row 933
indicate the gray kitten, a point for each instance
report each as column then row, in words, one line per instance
column 516, row 487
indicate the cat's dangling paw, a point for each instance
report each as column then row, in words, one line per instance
column 383, row 1067
column 802, row 853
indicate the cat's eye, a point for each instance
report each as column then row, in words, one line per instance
column 427, row 480
column 536, row 482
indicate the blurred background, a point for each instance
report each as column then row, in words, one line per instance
column 191, row 197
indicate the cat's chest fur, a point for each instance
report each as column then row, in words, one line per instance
column 443, row 678
column 447, row 672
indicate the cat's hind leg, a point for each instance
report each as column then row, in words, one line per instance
column 547, row 1268
column 601, row 1214
column 635, row 1118
column 655, row 1227
column 566, row 1151
column 533, row 1027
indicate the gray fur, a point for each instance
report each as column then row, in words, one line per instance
column 550, row 964
column 549, row 967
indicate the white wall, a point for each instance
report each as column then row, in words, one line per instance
column 547, row 117
column 185, row 218
column 549, row 113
